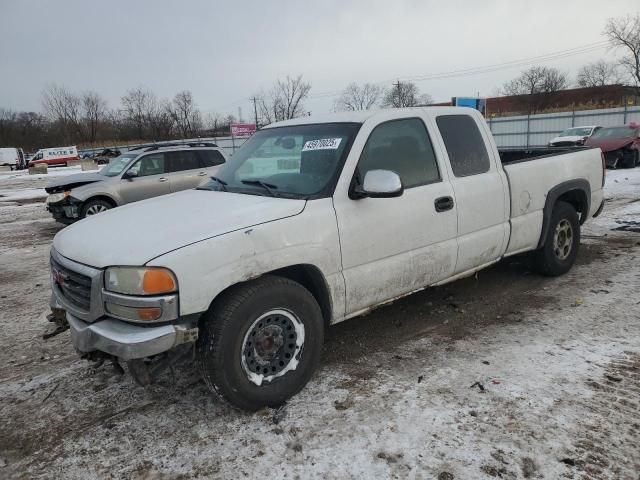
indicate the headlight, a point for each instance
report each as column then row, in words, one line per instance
column 140, row 280
column 58, row 197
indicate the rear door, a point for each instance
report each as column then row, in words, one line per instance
column 481, row 190
column 393, row 246
column 185, row 170
column 151, row 180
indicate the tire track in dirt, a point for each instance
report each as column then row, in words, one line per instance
column 607, row 445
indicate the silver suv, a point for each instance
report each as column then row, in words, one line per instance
column 141, row 173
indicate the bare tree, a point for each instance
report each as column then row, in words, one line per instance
column 140, row 105
column 94, row 111
column 185, row 114
column 598, row 74
column 537, row 80
column 624, row 32
column 212, row 122
column 285, row 100
column 538, row 83
column 359, row 97
column 160, row 121
column 405, row 94
column 63, row 108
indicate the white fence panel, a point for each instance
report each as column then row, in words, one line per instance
column 537, row 130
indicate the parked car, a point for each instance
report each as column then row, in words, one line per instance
column 251, row 268
column 55, row 156
column 621, row 145
column 14, row 158
column 573, row 136
column 106, row 155
column 136, row 175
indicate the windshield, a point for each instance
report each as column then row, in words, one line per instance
column 117, row 165
column 615, row 132
column 301, row 161
column 576, row 132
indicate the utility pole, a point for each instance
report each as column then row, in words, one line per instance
column 397, row 84
column 255, row 111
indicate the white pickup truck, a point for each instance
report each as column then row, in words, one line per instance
column 313, row 221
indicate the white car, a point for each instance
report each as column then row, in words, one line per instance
column 573, row 136
column 311, row 222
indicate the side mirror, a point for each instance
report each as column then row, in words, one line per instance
column 129, row 174
column 381, row 184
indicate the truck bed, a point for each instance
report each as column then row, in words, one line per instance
column 531, row 182
column 510, row 155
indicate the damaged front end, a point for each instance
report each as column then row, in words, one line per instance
column 63, row 207
column 81, row 304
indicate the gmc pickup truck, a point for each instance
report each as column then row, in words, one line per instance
column 313, row 221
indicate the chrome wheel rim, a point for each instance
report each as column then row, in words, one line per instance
column 96, row 209
column 563, row 239
column 272, row 346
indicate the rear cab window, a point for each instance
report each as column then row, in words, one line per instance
column 465, row 146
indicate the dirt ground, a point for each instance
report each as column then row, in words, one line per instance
column 502, row 375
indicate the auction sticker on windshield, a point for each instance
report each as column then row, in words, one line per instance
column 322, row 144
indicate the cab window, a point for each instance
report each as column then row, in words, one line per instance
column 402, row 146
column 464, row 143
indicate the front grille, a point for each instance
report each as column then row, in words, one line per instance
column 75, row 287
column 564, row 144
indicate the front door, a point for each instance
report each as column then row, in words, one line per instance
column 151, row 179
column 393, row 246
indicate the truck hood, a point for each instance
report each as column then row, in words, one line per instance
column 609, row 144
column 71, row 181
column 572, row 138
column 136, row 233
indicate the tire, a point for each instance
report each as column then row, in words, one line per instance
column 94, row 207
column 263, row 310
column 558, row 254
column 630, row 161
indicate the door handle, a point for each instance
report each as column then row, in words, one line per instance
column 163, row 179
column 443, row 204
column 202, row 174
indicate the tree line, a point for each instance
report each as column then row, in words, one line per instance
column 86, row 119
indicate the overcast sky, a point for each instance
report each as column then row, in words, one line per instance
column 224, row 52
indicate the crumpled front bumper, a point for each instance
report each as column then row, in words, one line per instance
column 65, row 211
column 127, row 341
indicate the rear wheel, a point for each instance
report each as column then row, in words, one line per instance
column 261, row 342
column 558, row 254
column 94, row 207
column 630, row 160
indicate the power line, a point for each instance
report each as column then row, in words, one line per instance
column 488, row 68
column 559, row 54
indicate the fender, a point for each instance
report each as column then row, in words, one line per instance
column 579, row 185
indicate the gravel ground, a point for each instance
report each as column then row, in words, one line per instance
column 505, row 375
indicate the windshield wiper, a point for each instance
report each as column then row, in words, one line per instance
column 222, row 183
column 267, row 186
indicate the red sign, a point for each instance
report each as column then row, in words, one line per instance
column 243, row 129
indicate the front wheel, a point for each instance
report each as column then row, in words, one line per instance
column 94, row 207
column 261, row 342
column 558, row 254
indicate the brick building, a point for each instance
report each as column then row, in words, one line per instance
column 587, row 98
